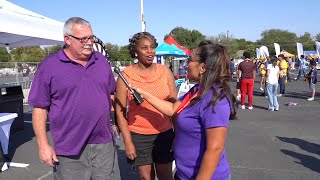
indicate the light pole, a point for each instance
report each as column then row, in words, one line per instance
column 143, row 23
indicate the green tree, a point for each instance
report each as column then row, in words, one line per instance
column 221, row 38
column 113, row 51
column 51, row 49
column 287, row 40
column 306, row 41
column 187, row 38
column 317, row 37
column 117, row 53
column 241, row 44
column 4, row 55
column 28, row 54
column 124, row 54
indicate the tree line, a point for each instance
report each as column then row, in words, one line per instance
column 185, row 37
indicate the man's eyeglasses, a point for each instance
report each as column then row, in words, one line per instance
column 84, row 39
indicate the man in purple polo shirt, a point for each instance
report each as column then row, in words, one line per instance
column 74, row 87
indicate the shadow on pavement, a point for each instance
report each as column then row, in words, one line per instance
column 301, row 95
column 126, row 170
column 303, row 144
column 19, row 138
column 307, row 161
column 261, row 107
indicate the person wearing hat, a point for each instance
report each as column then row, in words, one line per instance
column 283, row 74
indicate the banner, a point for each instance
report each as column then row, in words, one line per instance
column 258, row 53
column 277, row 48
column 299, row 49
column 264, row 52
column 318, row 48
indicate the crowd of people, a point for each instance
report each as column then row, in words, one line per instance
column 76, row 91
column 274, row 72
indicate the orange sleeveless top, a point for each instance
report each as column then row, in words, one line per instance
column 144, row 118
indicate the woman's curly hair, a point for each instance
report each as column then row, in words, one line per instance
column 136, row 38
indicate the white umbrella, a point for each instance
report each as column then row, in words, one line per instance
column 21, row 27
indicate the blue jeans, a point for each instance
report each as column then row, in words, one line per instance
column 303, row 71
column 228, row 178
column 282, row 84
column 272, row 96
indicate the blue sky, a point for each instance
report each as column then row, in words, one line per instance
column 115, row 21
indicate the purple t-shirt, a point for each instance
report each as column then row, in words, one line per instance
column 77, row 98
column 190, row 139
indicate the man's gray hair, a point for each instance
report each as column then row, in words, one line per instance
column 67, row 28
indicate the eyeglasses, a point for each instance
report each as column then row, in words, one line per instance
column 84, row 39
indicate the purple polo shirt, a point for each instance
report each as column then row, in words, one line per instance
column 77, row 98
column 190, row 139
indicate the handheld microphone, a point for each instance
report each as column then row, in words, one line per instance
column 137, row 97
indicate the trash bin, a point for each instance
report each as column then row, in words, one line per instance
column 11, row 101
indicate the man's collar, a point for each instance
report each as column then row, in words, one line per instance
column 63, row 56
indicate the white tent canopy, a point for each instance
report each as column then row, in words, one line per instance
column 21, row 27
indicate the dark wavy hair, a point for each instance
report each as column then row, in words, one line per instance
column 273, row 61
column 217, row 76
column 136, row 38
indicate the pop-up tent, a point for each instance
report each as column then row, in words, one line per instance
column 170, row 40
column 286, row 54
column 169, row 50
column 21, row 27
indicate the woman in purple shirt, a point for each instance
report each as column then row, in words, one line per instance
column 202, row 117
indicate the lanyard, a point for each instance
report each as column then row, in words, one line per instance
column 186, row 101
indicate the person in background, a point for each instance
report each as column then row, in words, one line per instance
column 302, row 68
column 202, row 116
column 289, row 61
column 170, row 66
column 262, row 72
column 312, row 78
column 238, row 81
column 26, row 72
column 246, row 74
column 283, row 65
column 273, row 72
column 74, row 87
column 232, row 67
column 238, row 87
column 147, row 133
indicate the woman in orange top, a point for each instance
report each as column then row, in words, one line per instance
column 147, row 133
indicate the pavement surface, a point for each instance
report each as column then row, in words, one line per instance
column 261, row 145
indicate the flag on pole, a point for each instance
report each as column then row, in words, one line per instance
column 277, row 48
column 318, row 48
column 299, row 49
column 264, row 52
column 258, row 53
